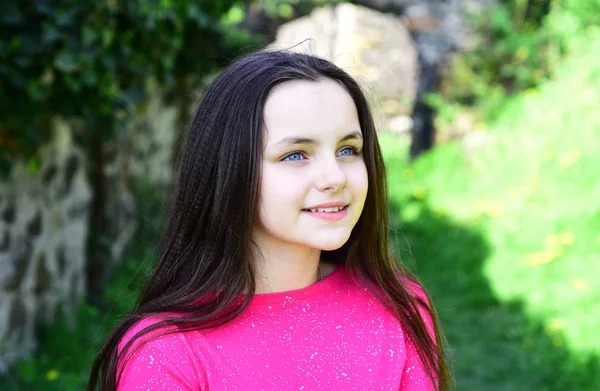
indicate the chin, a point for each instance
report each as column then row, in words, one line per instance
column 332, row 244
column 330, row 248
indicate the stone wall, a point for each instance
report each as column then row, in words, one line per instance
column 43, row 230
column 151, row 137
column 45, row 214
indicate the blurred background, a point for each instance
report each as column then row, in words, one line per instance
column 488, row 119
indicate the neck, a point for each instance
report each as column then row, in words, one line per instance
column 285, row 268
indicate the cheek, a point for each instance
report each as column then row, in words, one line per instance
column 360, row 182
column 280, row 192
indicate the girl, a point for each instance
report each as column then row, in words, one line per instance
column 275, row 272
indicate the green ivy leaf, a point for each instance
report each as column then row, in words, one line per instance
column 33, row 165
column 89, row 35
column 285, row 11
column 168, row 62
column 51, row 34
column 16, row 43
column 67, row 17
column 73, row 83
column 47, row 77
column 37, row 91
column 108, row 35
column 234, row 16
column 66, row 61
column 196, row 14
column 89, row 78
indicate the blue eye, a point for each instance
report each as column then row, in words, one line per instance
column 293, row 157
column 348, row 151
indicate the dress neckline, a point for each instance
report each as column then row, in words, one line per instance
column 302, row 293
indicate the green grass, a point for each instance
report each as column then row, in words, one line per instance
column 506, row 237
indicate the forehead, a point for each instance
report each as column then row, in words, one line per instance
column 312, row 109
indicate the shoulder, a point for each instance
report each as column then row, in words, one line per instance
column 140, row 335
column 159, row 358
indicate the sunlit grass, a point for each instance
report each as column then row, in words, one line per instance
column 528, row 204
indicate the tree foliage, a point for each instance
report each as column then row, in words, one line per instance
column 521, row 42
column 91, row 60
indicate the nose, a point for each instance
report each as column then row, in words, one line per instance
column 330, row 176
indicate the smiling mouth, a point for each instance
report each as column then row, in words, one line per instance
column 334, row 209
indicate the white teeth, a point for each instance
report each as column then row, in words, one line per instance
column 329, row 210
column 334, row 209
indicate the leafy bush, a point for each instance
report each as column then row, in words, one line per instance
column 92, row 59
column 521, row 43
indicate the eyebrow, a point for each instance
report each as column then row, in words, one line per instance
column 356, row 135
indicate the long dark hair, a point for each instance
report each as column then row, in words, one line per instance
column 207, row 250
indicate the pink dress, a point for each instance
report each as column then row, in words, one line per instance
column 332, row 335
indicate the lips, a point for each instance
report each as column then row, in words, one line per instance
column 328, row 205
column 332, row 213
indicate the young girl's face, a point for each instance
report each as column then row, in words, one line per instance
column 313, row 177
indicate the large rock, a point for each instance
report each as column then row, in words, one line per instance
column 374, row 47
